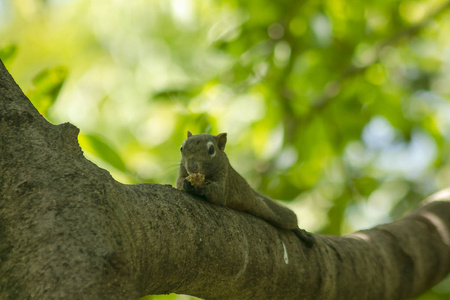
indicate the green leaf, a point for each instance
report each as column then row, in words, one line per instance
column 48, row 84
column 95, row 145
column 176, row 94
column 7, row 53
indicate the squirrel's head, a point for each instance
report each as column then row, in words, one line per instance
column 204, row 153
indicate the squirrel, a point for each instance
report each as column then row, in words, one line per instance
column 206, row 171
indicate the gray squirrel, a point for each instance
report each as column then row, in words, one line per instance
column 205, row 171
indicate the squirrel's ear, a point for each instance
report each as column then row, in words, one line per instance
column 189, row 134
column 221, row 140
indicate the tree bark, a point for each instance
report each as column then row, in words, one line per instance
column 69, row 230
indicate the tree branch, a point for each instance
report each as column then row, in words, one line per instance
column 69, row 230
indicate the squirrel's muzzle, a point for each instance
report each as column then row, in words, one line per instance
column 192, row 166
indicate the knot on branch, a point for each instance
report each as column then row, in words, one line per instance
column 68, row 134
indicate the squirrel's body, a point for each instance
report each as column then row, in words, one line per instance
column 203, row 155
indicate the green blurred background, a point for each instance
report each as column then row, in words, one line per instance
column 338, row 108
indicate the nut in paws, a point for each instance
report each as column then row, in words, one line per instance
column 196, row 179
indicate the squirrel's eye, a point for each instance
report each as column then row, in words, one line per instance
column 211, row 150
column 181, row 148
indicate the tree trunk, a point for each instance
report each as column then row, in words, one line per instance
column 69, row 230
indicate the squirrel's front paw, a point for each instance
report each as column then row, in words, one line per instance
column 187, row 186
column 199, row 190
column 195, row 183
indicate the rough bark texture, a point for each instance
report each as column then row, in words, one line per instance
column 69, row 230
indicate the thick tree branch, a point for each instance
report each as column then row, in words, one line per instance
column 69, row 230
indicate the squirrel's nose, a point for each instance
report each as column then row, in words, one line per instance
column 193, row 167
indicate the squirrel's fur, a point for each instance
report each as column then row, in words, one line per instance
column 204, row 154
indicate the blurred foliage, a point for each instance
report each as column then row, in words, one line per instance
column 47, row 85
column 7, row 53
column 339, row 108
column 169, row 297
column 98, row 147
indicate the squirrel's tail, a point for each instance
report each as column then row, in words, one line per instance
column 304, row 236
column 280, row 216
